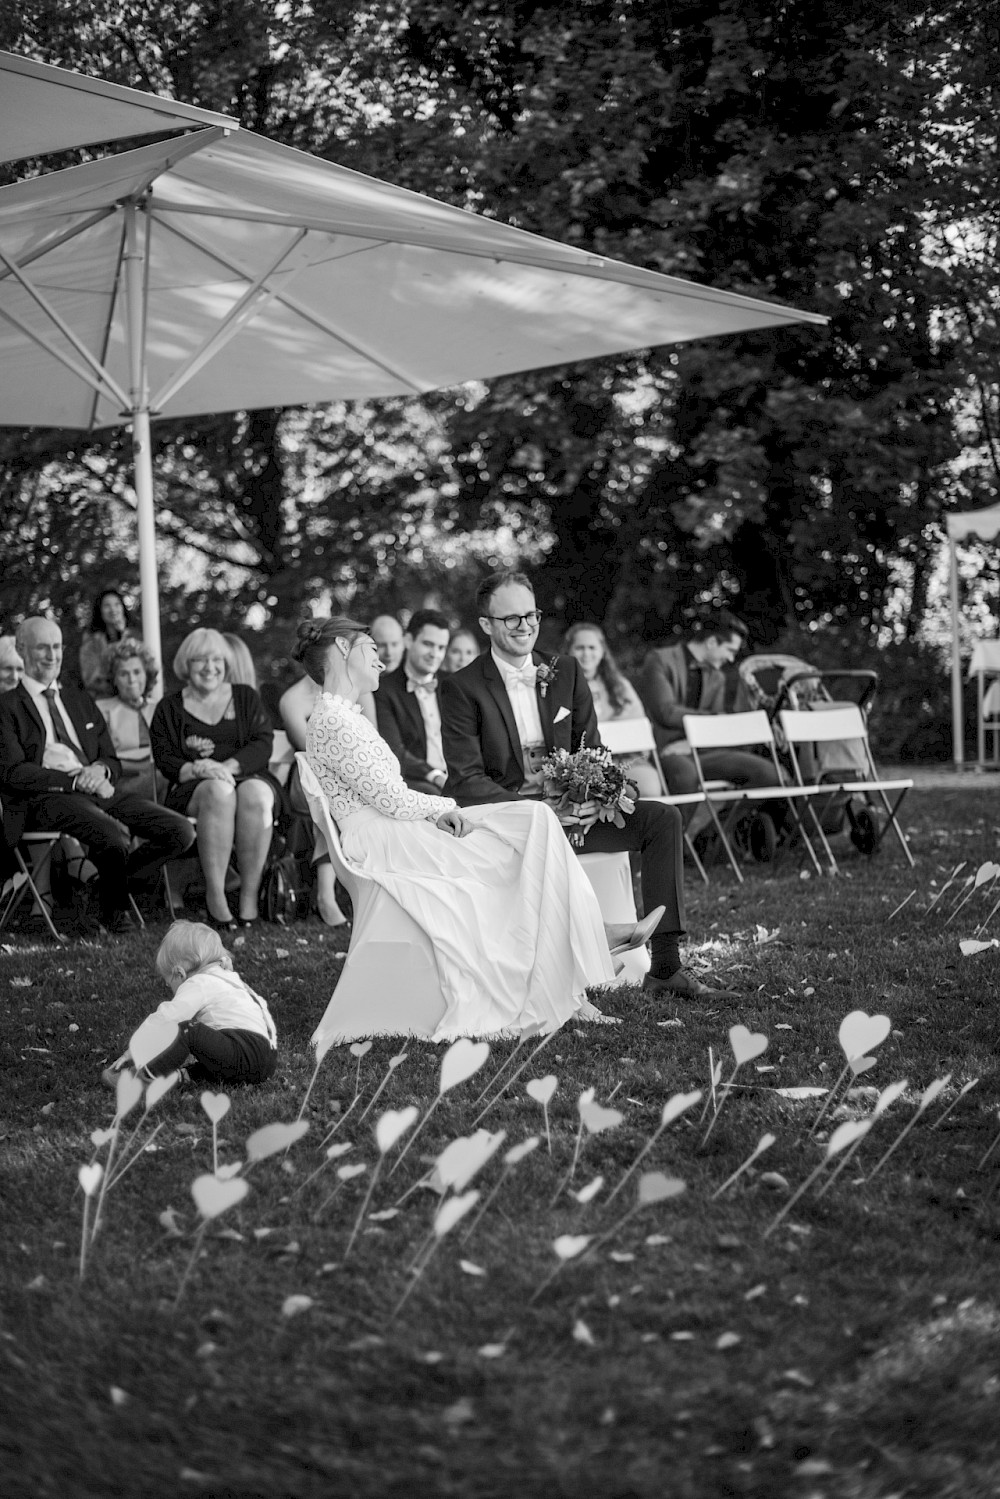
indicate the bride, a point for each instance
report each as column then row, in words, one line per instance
column 515, row 926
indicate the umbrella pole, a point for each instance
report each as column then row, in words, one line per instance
column 957, row 720
column 142, row 450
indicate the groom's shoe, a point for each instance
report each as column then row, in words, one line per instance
column 623, row 938
column 684, row 985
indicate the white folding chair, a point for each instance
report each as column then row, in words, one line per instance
column 846, row 723
column 705, row 731
column 634, row 736
column 282, row 757
column 34, row 858
column 389, row 984
column 610, row 876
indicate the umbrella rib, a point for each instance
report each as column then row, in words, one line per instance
column 94, row 380
column 255, row 296
column 595, row 267
column 61, row 239
column 305, row 313
column 65, row 330
column 108, row 324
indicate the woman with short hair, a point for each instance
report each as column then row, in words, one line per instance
column 212, row 741
column 133, row 671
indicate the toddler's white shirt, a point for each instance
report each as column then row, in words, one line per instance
column 221, row 999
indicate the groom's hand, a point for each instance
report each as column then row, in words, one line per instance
column 454, row 822
column 583, row 815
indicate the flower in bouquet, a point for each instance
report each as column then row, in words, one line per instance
column 588, row 777
column 545, row 674
column 200, row 747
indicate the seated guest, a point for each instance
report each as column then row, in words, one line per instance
column 240, row 667
column 408, row 705
column 133, row 673
column 295, row 709
column 387, row 633
column 109, row 623
column 212, row 741
column 614, row 696
column 687, row 679
column 499, row 722
column 11, row 665
column 463, row 647
column 59, row 773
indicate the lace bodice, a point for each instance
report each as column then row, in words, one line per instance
column 357, row 769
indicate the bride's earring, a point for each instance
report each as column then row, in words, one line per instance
column 344, row 648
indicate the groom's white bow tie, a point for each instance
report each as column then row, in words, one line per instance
column 526, row 674
column 428, row 685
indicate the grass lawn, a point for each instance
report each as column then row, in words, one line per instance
column 853, row 1352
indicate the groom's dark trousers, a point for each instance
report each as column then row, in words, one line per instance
column 483, row 750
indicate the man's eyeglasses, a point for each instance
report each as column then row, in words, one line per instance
column 513, row 621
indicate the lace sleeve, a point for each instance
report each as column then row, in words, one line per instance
column 357, row 768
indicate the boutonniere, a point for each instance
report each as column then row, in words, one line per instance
column 545, row 675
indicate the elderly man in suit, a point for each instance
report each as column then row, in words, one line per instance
column 408, row 704
column 506, row 710
column 59, row 773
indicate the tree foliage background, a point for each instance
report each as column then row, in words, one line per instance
column 835, row 155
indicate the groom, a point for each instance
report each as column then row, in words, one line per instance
column 504, row 712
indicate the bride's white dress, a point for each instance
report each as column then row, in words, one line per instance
column 514, row 923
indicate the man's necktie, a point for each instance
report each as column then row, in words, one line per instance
column 524, row 674
column 59, row 726
column 428, row 686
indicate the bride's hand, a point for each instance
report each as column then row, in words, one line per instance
column 454, row 822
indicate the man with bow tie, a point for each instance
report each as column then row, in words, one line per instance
column 408, row 704
column 59, row 773
column 504, row 712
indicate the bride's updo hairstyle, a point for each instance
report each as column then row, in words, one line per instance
column 316, row 636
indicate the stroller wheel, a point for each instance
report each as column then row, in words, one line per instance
column 763, row 837
column 864, row 833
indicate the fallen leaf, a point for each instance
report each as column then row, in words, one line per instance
column 293, row 1306
column 583, row 1334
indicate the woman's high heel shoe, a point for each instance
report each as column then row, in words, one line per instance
column 220, row 925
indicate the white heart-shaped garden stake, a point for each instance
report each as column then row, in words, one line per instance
column 987, row 871
column 394, row 1062
column 128, row 1091
column 460, row 1161
column 672, row 1109
column 460, row 1062
column 334, row 1152
column 451, row 1212
column 567, row 1247
column 969, row 946
column 746, row 1044
column 344, row 1174
column 846, row 1137
column 159, row 1088
column 965, row 1088
column 764, row 1143
column 860, row 1033
column 348, row 1173
column 389, row 1127
column 523, row 1038
column 654, row 1186
column 542, row 1090
column 360, row 1049
column 846, row 1134
column 216, row 1106
column 531, row 1030
column 155, row 1035
column 594, row 1119
column 89, row 1177
column 101, row 1137
column 213, row 1197
column 888, row 1096
column 597, row 1119
column 274, row 1137
column 589, row 1192
column 392, row 1124
column 861, row 1064
column 513, row 1157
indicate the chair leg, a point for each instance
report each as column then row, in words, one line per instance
column 17, row 895
column 689, row 845
column 891, row 811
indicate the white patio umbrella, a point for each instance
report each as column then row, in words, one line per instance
column 44, row 109
column 222, row 271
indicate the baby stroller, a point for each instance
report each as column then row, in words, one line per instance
column 774, row 682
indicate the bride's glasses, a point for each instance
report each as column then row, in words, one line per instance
column 514, row 621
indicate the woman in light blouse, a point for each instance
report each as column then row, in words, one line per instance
column 133, row 672
column 614, row 696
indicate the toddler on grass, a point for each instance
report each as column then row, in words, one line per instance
column 226, row 1034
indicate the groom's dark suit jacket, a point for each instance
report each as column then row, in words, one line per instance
column 22, row 745
column 401, row 724
column 481, row 741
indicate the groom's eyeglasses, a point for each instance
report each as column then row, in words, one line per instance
column 512, row 621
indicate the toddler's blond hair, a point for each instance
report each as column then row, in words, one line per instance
column 189, row 946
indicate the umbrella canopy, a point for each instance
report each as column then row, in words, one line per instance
column 51, row 109
column 222, row 271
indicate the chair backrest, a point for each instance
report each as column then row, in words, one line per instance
column 628, row 736
column 282, row 757
column 840, row 736
column 327, row 834
column 727, row 730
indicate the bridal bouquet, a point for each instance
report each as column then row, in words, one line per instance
column 588, row 776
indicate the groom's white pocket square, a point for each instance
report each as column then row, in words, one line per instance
column 563, row 713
